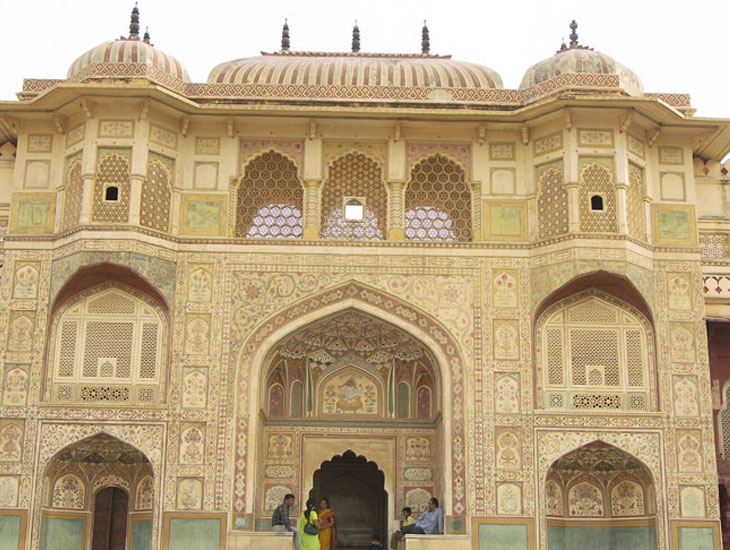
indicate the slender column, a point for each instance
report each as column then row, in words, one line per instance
column 138, row 168
column 396, row 211
column 621, row 210
column 647, row 219
column 88, row 170
column 573, row 207
column 312, row 209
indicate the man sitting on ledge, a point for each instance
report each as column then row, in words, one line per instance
column 430, row 522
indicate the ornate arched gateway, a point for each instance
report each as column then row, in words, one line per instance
column 350, row 368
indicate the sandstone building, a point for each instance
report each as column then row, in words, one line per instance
column 373, row 277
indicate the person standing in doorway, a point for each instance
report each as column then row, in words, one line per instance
column 327, row 527
column 280, row 519
column 309, row 517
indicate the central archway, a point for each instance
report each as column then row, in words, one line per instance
column 351, row 381
column 355, row 489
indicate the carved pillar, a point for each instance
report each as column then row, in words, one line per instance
column 396, row 211
column 135, row 197
column 88, row 170
column 647, row 219
column 138, row 168
column 573, row 207
column 621, row 208
column 312, row 209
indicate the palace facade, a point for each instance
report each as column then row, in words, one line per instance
column 375, row 278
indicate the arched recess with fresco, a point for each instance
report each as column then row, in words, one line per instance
column 353, row 368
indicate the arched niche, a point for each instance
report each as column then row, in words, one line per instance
column 599, row 496
column 273, row 437
column 82, row 480
column 349, row 365
column 595, row 305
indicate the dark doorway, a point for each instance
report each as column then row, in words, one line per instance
column 356, row 492
column 110, row 519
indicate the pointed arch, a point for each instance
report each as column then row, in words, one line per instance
column 358, row 296
column 270, row 198
column 354, row 175
column 438, row 201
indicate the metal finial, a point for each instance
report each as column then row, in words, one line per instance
column 563, row 46
column 147, row 35
column 573, row 34
column 134, row 22
column 425, row 39
column 285, row 36
column 355, row 38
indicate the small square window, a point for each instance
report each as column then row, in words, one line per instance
column 354, row 209
column 111, row 193
column 597, row 203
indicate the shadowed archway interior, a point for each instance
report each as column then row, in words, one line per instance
column 356, row 492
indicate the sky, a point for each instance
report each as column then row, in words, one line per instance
column 673, row 46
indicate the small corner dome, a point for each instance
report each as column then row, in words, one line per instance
column 577, row 59
column 355, row 69
column 127, row 58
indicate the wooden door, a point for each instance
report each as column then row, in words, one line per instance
column 355, row 489
column 110, row 519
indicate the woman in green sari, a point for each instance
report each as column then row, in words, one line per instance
column 308, row 542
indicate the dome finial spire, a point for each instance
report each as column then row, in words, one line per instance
column 146, row 37
column 355, row 38
column 573, row 34
column 425, row 39
column 134, row 23
column 285, row 36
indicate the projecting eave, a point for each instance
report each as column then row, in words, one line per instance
column 711, row 135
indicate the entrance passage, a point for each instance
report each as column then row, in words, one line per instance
column 110, row 519
column 356, row 492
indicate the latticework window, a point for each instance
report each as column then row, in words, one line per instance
column 635, row 203
column 552, row 204
column 108, row 347
column 112, row 170
column 270, row 199
column 597, row 180
column 354, row 175
column 595, row 354
column 437, row 202
column 74, row 193
column 154, row 209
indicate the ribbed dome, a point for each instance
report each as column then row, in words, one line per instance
column 132, row 57
column 578, row 60
column 355, row 70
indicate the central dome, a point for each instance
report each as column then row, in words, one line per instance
column 355, row 70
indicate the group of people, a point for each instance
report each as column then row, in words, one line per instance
column 316, row 529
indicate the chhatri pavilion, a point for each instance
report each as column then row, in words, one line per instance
column 376, row 278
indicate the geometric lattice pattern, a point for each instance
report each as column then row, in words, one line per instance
column 154, row 209
column 113, row 170
column 354, row 175
column 106, row 343
column 552, row 204
column 270, row 196
column 635, row 203
column 597, row 180
column 437, row 202
column 74, row 193
column 595, row 357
